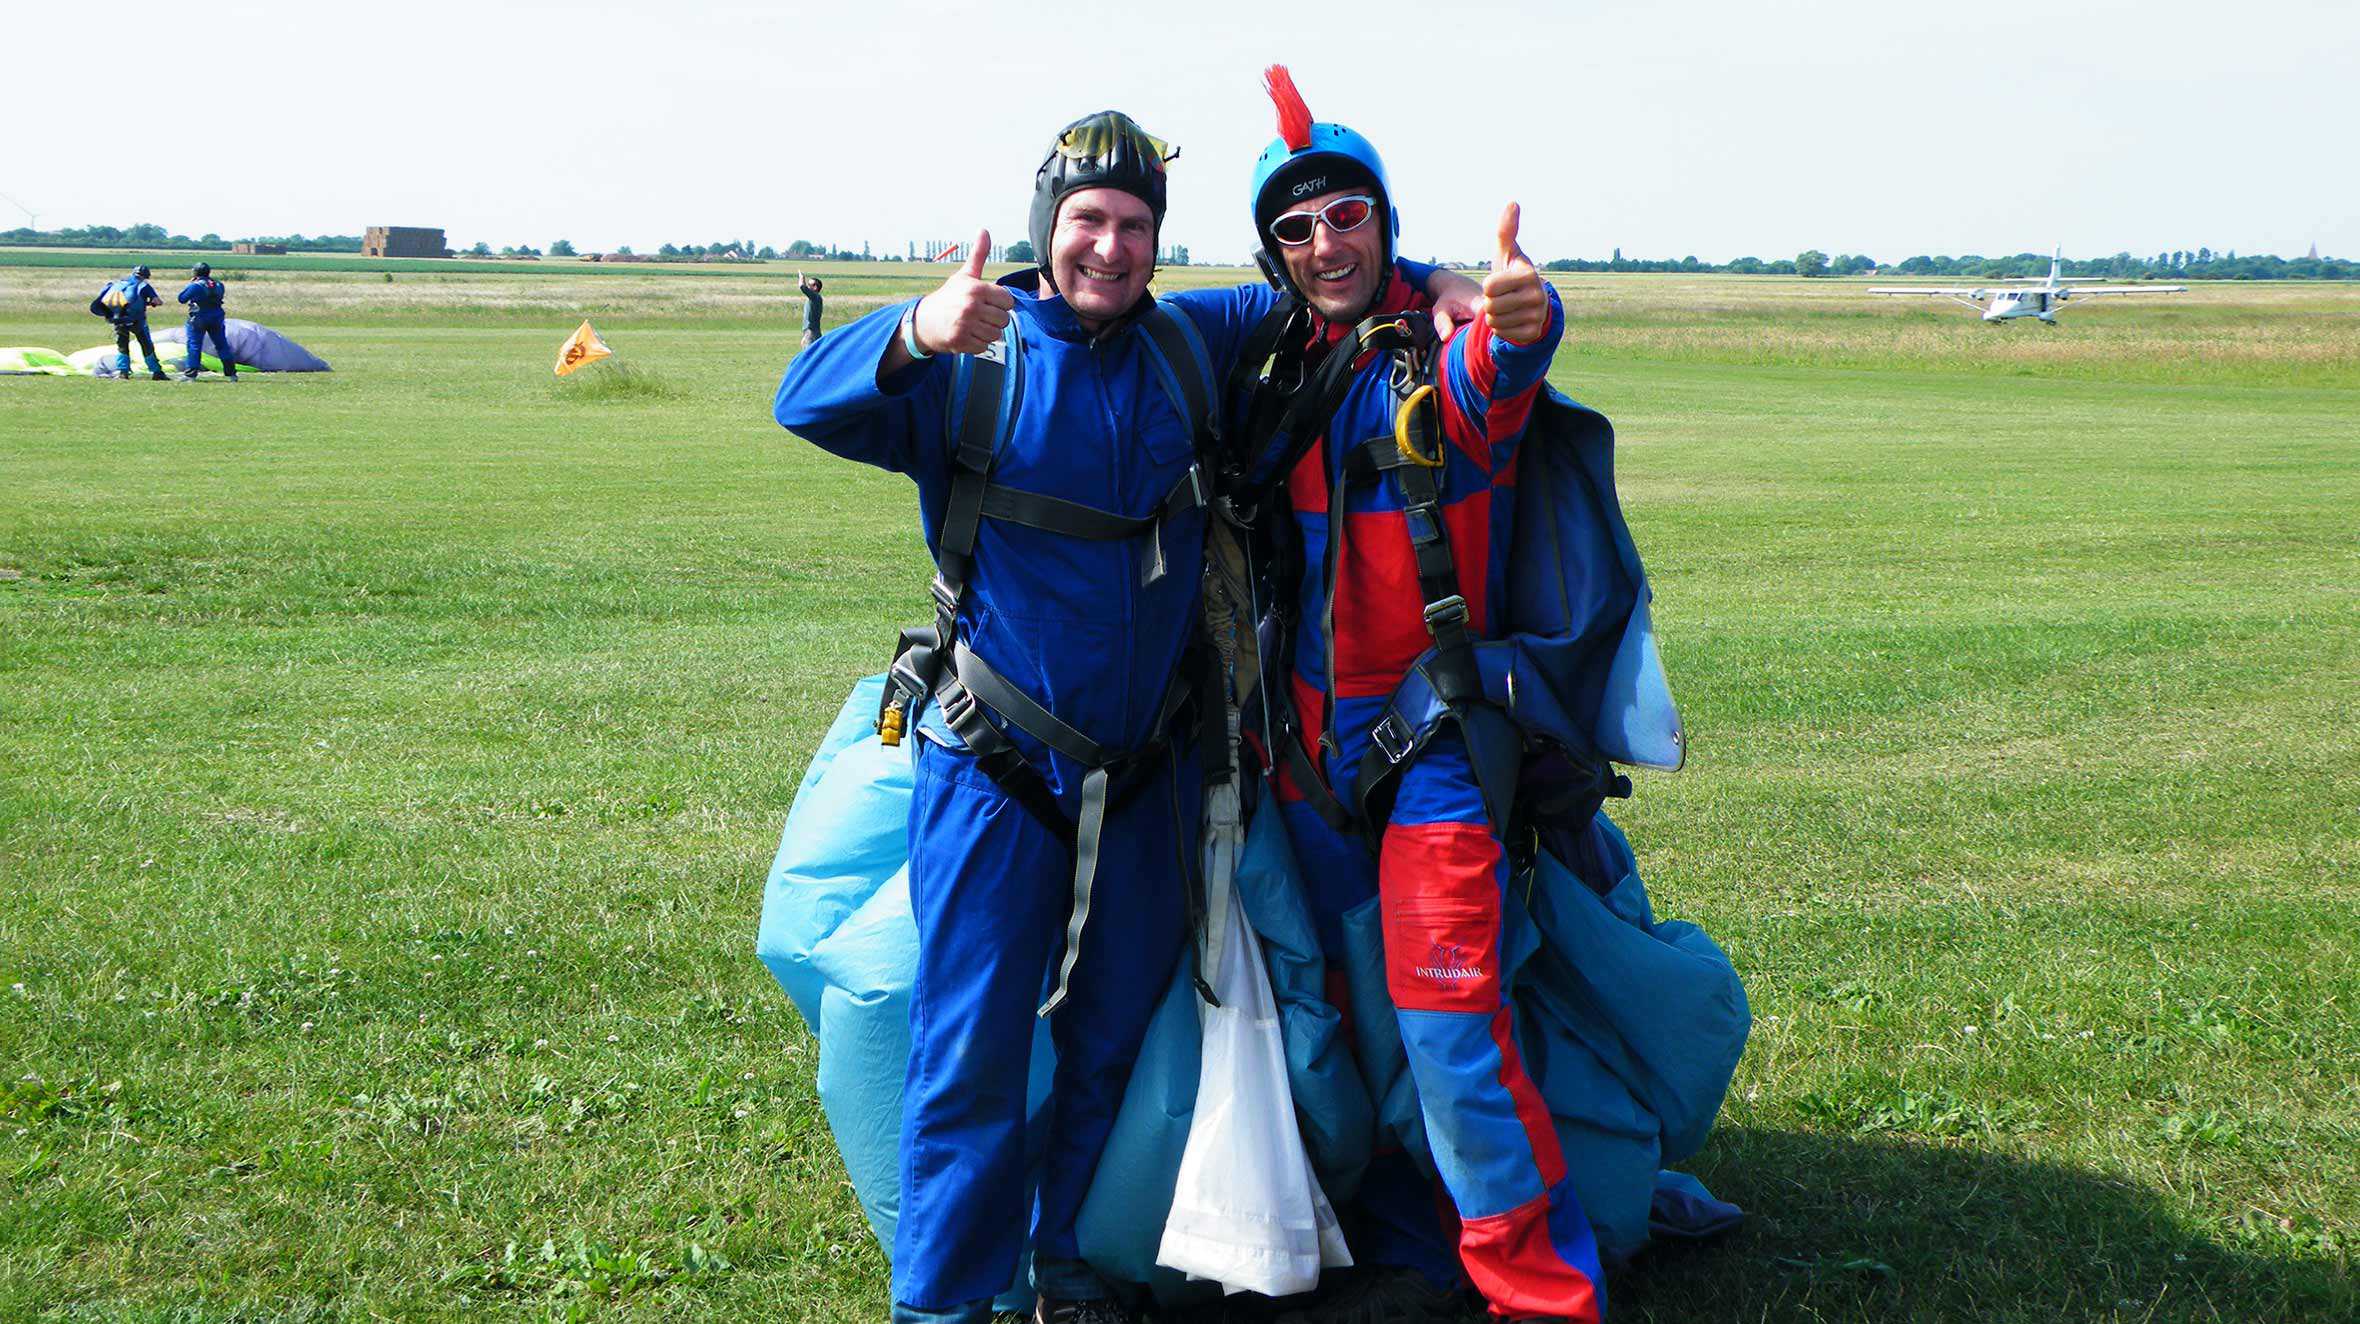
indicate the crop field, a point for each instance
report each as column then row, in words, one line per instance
column 389, row 761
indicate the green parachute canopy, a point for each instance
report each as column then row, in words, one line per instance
column 30, row 361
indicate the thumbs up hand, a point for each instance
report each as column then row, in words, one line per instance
column 1514, row 294
column 969, row 312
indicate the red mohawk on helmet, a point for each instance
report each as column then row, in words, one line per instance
column 1294, row 118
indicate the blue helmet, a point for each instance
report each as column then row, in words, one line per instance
column 1310, row 157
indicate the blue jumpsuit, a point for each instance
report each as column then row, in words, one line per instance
column 130, row 322
column 1440, row 872
column 203, row 297
column 1077, row 626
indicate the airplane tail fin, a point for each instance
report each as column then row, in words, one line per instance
column 2057, row 264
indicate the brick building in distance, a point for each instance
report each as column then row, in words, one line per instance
column 403, row 241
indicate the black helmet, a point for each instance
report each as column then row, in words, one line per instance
column 201, row 270
column 140, row 271
column 1105, row 150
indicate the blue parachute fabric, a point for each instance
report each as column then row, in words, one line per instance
column 1630, row 1027
column 837, row 934
column 1685, row 1211
column 1384, row 1062
column 1333, row 1106
column 845, row 837
column 1579, row 659
column 1662, row 988
column 863, row 1028
column 1122, row 1218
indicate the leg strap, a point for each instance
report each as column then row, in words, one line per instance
column 1087, row 833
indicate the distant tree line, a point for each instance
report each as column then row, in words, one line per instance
column 157, row 237
column 2199, row 264
column 2178, row 264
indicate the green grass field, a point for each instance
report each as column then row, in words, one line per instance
column 389, row 761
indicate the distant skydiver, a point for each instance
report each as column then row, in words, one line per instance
column 203, row 295
column 810, row 285
column 125, row 303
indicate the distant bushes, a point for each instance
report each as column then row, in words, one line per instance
column 146, row 236
column 2202, row 264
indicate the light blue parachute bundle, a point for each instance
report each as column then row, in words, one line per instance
column 255, row 346
column 1631, row 1026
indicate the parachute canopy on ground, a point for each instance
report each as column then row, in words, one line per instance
column 254, row 346
column 31, row 361
column 99, row 360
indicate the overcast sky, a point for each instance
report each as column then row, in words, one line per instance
column 1718, row 128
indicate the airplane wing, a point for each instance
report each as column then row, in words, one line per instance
column 2083, row 292
column 1933, row 291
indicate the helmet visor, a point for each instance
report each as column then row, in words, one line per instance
column 1112, row 136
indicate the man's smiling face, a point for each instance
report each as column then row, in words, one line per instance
column 1102, row 252
column 1339, row 273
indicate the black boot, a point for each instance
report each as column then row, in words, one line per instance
column 1096, row 1310
column 1388, row 1295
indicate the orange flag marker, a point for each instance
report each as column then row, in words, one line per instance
column 581, row 348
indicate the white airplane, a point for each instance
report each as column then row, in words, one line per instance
column 2028, row 296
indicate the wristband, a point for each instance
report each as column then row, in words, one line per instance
column 909, row 335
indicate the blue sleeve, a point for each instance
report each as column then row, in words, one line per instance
column 830, row 398
column 1416, row 273
column 1521, row 367
column 1489, row 383
column 190, row 291
column 1225, row 317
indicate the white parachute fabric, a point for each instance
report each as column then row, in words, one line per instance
column 1247, row 1211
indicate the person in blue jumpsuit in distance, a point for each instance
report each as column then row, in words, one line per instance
column 203, row 295
column 125, row 303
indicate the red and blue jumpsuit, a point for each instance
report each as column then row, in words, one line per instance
column 1440, row 871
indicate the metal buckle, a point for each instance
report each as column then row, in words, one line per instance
column 1390, row 739
column 946, row 598
column 1450, row 611
column 1196, row 482
column 903, row 678
column 957, row 704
